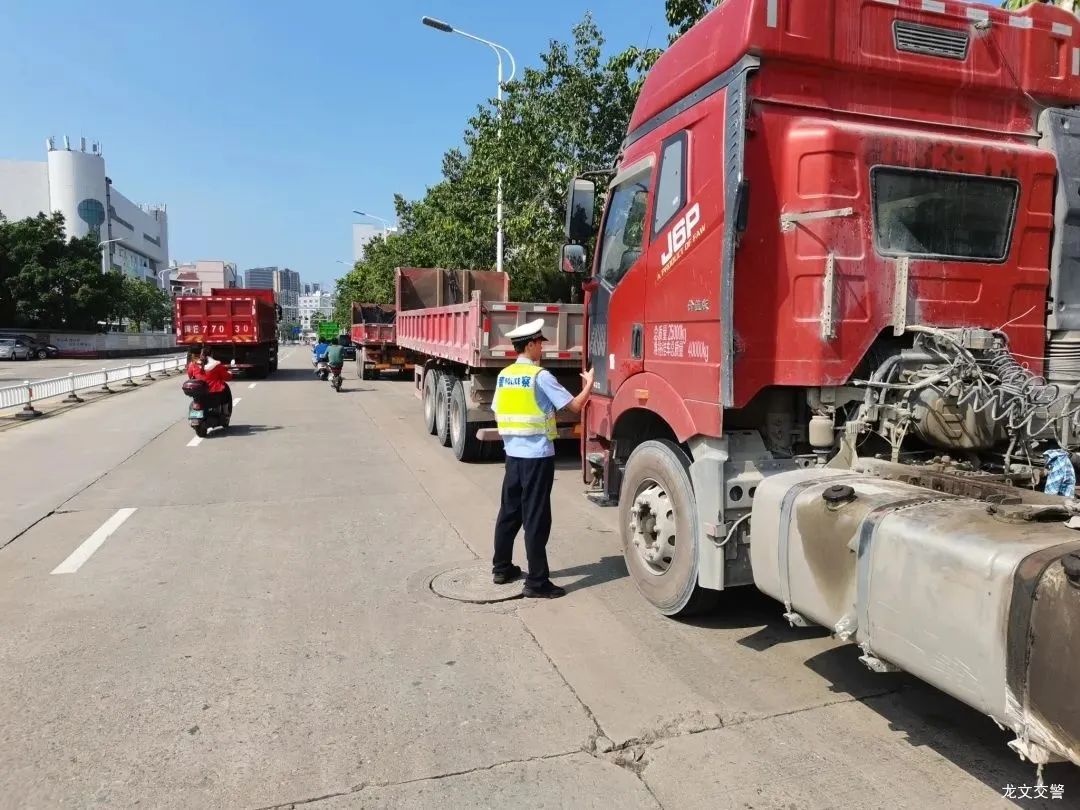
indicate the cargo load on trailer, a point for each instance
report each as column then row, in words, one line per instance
column 375, row 336
column 238, row 326
column 834, row 316
column 456, row 321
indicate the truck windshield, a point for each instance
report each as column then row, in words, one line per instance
column 624, row 227
column 946, row 216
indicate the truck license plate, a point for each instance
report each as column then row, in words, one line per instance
column 398, row 360
column 195, row 413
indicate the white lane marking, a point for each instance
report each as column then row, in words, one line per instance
column 236, row 401
column 195, row 442
column 252, row 385
column 92, row 543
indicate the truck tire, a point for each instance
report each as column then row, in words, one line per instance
column 431, row 387
column 659, row 527
column 442, row 408
column 360, row 365
column 462, row 432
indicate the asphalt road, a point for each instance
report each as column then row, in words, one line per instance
column 17, row 371
column 246, row 622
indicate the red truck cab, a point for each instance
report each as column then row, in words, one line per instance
column 842, row 239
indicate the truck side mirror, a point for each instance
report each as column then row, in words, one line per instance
column 580, row 210
column 574, row 259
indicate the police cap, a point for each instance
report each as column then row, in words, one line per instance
column 533, row 330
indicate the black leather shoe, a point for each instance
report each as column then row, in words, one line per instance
column 509, row 575
column 548, row 591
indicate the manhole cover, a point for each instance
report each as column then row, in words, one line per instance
column 473, row 584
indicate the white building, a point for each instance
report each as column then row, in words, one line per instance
column 199, row 278
column 74, row 182
column 362, row 233
column 315, row 302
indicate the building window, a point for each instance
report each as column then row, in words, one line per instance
column 92, row 212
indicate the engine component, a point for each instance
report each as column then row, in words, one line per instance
column 974, row 600
column 961, row 389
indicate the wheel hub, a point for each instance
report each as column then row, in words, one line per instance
column 652, row 526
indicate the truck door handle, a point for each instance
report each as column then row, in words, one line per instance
column 637, row 341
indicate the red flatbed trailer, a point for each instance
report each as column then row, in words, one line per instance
column 374, row 334
column 237, row 326
column 455, row 322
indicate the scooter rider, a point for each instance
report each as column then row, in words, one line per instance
column 318, row 353
column 335, row 357
column 217, row 375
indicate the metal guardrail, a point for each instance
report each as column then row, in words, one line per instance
column 25, row 394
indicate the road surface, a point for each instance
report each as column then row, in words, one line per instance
column 247, row 622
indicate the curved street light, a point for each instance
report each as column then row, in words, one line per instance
column 446, row 28
column 387, row 227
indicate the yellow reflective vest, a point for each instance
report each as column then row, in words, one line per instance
column 516, row 410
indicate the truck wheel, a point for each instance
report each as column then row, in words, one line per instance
column 442, row 408
column 659, row 527
column 462, row 432
column 430, row 389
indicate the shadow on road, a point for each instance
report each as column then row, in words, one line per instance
column 246, row 430
column 606, row 569
column 929, row 718
column 925, row 716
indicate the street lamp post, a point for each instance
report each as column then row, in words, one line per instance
column 101, row 247
column 386, row 226
column 499, row 50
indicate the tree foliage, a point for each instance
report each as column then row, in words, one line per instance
column 50, row 281
column 564, row 116
column 145, row 303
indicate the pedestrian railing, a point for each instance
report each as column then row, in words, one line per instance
column 106, row 381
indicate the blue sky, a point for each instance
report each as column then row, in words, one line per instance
column 262, row 125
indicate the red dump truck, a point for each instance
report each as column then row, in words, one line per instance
column 375, row 336
column 455, row 322
column 238, row 326
column 834, row 316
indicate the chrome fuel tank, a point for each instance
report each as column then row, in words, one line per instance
column 972, row 598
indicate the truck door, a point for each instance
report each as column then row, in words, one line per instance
column 617, row 304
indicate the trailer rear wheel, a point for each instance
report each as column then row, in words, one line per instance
column 442, row 408
column 431, row 385
column 462, row 433
column 659, row 526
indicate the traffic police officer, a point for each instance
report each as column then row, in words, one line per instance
column 526, row 399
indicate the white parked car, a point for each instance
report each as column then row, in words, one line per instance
column 11, row 349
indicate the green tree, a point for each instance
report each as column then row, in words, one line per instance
column 682, row 14
column 145, row 303
column 47, row 280
column 565, row 116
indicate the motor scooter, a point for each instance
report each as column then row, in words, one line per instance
column 322, row 369
column 203, row 413
column 335, row 378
